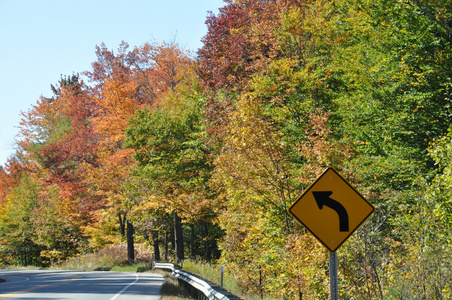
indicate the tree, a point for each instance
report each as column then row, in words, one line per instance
column 240, row 41
column 124, row 83
column 56, row 139
column 387, row 96
column 10, row 175
column 172, row 160
column 17, row 230
column 359, row 85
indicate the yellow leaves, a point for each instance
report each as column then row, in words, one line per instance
column 102, row 232
column 153, row 202
column 254, row 172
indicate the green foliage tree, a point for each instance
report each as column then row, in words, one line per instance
column 377, row 69
column 18, row 232
column 172, row 159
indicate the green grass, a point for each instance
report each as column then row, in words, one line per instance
column 212, row 273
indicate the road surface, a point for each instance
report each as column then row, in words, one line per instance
column 65, row 285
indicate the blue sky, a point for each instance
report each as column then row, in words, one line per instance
column 40, row 40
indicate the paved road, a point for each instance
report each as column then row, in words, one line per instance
column 65, row 285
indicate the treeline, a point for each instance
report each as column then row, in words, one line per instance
column 201, row 155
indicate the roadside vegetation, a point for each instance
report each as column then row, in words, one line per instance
column 171, row 290
column 112, row 258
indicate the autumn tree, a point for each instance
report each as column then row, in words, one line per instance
column 372, row 68
column 172, row 158
column 10, row 175
column 393, row 100
column 17, row 229
column 369, row 67
column 240, row 41
column 124, row 83
column 55, row 140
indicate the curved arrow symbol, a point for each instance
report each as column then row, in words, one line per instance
column 323, row 199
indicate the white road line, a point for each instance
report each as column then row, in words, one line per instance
column 23, row 278
column 124, row 289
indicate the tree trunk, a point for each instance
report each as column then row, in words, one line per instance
column 178, row 239
column 155, row 239
column 207, row 248
column 166, row 246
column 192, row 241
column 122, row 225
column 130, row 246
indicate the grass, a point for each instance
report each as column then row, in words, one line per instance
column 212, row 273
column 171, row 290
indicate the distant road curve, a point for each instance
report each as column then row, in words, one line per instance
column 39, row 285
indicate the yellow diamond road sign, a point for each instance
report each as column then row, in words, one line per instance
column 331, row 209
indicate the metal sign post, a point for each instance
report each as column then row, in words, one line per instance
column 333, row 276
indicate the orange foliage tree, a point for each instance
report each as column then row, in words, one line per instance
column 123, row 83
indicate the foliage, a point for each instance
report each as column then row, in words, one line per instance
column 172, row 160
column 18, row 233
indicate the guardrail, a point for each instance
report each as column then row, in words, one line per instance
column 198, row 287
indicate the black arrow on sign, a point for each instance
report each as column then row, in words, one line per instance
column 323, row 198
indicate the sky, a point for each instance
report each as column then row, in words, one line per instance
column 42, row 40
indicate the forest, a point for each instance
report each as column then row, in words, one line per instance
column 200, row 154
